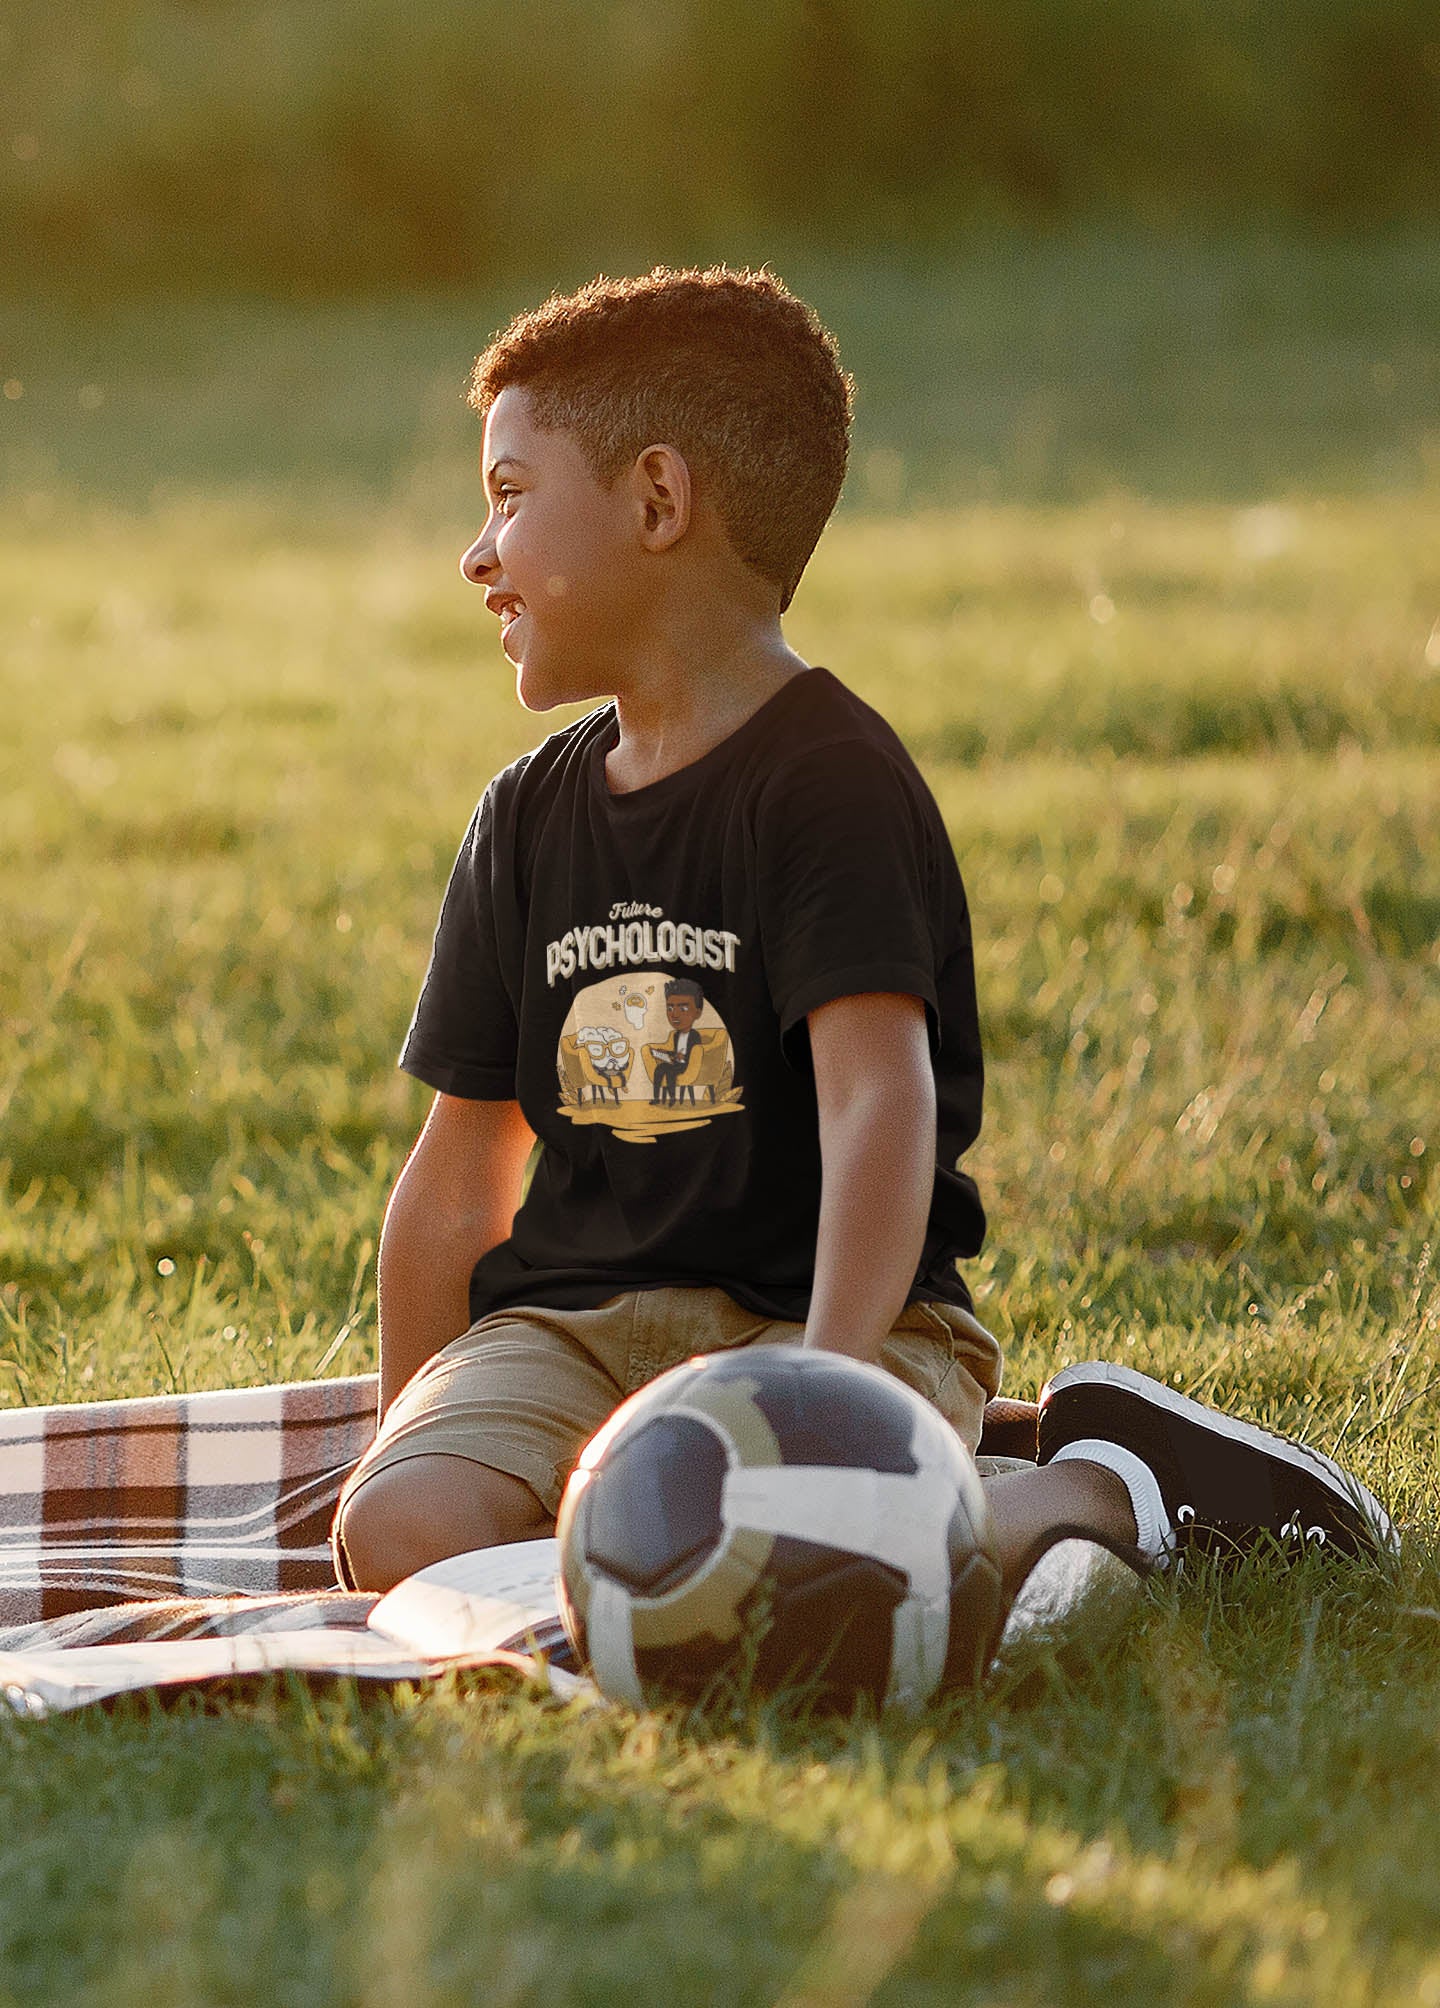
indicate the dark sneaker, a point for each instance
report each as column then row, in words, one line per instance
column 1225, row 1483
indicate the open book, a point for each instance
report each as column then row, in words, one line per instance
column 496, row 1607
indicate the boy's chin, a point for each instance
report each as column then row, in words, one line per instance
column 541, row 690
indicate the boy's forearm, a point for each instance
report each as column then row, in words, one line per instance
column 879, row 1176
column 423, row 1285
column 453, row 1202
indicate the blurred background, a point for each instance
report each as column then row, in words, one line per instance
column 1188, row 247
column 1140, row 553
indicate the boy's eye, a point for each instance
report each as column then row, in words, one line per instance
column 503, row 497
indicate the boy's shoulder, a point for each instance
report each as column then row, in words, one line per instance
column 839, row 769
column 829, row 714
column 560, row 754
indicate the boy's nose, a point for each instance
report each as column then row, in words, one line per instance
column 479, row 561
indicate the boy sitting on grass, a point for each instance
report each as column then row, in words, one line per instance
column 734, row 828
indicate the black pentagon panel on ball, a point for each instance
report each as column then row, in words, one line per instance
column 686, row 1673
column 823, row 1412
column 654, row 1508
column 826, row 1620
column 821, row 1622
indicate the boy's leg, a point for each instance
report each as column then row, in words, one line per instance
column 1128, row 1458
column 423, row 1510
column 475, row 1450
column 1131, row 1462
column 1026, row 1508
column 947, row 1356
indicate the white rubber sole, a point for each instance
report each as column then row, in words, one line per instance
column 1101, row 1373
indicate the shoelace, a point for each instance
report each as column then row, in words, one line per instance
column 1291, row 1531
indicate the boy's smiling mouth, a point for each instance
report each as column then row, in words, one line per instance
column 508, row 606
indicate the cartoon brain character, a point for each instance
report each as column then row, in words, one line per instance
column 610, row 1051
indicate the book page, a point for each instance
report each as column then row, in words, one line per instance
column 488, row 1600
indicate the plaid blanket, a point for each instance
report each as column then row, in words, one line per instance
column 201, row 1495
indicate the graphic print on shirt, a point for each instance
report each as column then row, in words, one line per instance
column 646, row 1054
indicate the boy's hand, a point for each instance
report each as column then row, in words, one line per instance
column 875, row 1087
column 455, row 1200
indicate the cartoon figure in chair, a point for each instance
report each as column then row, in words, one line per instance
column 598, row 1057
column 678, row 1066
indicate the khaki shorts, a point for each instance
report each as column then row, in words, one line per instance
column 525, row 1389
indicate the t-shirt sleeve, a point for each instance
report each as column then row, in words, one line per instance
column 843, row 871
column 464, row 1038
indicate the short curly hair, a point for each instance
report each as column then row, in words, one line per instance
column 725, row 365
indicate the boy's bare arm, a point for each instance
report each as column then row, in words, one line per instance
column 455, row 1199
column 875, row 1087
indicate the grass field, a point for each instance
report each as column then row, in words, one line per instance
column 1189, row 753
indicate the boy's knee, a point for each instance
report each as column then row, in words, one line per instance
column 406, row 1516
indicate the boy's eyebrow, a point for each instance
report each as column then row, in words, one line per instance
column 505, row 460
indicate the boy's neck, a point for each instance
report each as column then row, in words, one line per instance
column 674, row 710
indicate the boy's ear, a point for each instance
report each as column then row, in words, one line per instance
column 662, row 485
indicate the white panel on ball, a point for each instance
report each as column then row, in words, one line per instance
column 896, row 1518
column 612, row 1642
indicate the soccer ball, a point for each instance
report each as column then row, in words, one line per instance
column 778, row 1515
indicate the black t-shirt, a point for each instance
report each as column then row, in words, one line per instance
column 636, row 970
